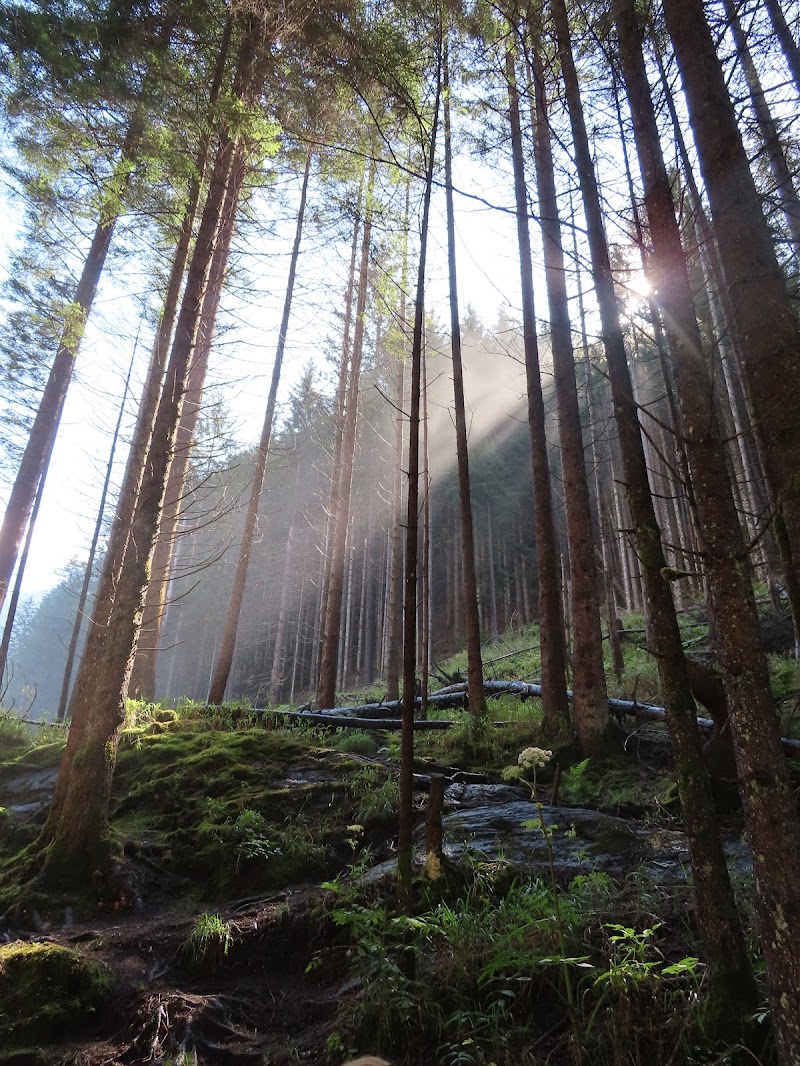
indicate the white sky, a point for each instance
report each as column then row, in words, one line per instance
column 488, row 279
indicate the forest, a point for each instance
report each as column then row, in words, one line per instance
column 424, row 680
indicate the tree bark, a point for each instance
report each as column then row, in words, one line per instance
column 474, row 663
column 590, row 711
column 343, row 475
column 404, row 826
column 143, row 676
column 75, row 835
column 767, row 798
column 341, row 397
column 277, row 682
column 788, row 43
column 761, row 314
column 768, row 131
column 151, row 391
column 555, row 709
column 716, row 907
column 87, row 576
column 395, row 605
column 427, row 558
column 749, row 439
column 13, row 602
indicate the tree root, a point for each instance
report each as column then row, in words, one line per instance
column 185, row 1029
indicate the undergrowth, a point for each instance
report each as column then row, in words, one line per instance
column 528, row 972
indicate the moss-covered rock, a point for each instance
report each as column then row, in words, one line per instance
column 49, row 992
column 239, row 810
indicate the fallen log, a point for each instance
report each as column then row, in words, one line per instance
column 350, row 721
column 379, row 715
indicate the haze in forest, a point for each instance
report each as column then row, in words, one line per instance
column 344, row 468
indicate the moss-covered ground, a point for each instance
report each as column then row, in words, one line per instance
column 231, row 951
column 240, row 810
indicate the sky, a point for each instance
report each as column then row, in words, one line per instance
column 244, row 353
column 241, row 366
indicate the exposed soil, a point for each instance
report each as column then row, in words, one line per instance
column 254, row 1004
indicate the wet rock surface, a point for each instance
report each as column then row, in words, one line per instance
column 497, row 822
column 29, row 790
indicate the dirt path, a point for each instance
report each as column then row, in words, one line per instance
column 256, row 1004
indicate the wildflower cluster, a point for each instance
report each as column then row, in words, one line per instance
column 534, row 758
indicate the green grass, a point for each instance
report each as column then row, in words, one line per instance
column 516, row 971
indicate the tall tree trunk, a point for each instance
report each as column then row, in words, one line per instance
column 16, row 591
column 341, row 398
column 87, row 576
column 768, row 131
column 395, row 606
column 477, row 699
column 494, row 628
column 277, row 682
column 372, row 611
column 716, row 907
column 143, row 676
column 343, row 668
column 75, row 834
column 151, row 390
column 427, row 562
column 404, row 826
column 590, row 703
column 48, row 417
column 788, row 43
column 223, row 666
column 343, row 475
column 555, row 709
column 768, row 801
column 749, row 439
column 761, row 314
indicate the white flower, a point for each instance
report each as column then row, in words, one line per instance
column 534, row 758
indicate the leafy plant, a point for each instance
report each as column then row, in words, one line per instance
column 574, row 785
column 252, row 840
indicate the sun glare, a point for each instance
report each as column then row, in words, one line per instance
column 638, row 285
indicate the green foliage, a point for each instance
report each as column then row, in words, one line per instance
column 14, row 736
column 43, row 756
column 785, row 681
column 376, row 794
column 484, row 747
column 574, row 787
column 357, row 742
column 208, row 943
column 616, row 783
column 481, row 977
column 241, row 809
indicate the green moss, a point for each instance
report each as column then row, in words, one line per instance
column 14, row 736
column 41, row 757
column 235, row 811
column 48, row 992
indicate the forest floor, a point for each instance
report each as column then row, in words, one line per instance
column 254, row 921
